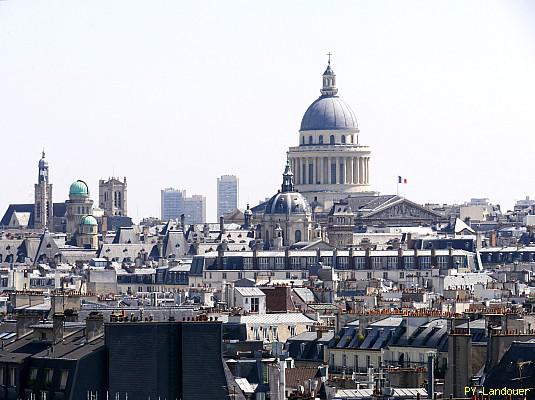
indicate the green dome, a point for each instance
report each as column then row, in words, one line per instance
column 79, row 189
column 88, row 220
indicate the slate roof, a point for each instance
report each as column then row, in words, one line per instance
column 399, row 393
column 378, row 335
column 506, row 373
column 58, row 210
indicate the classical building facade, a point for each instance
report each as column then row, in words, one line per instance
column 329, row 163
column 43, row 216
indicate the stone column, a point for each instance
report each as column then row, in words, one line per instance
column 328, row 180
column 361, row 168
column 311, row 171
column 350, row 170
column 367, row 170
column 337, row 169
column 355, row 170
column 320, row 176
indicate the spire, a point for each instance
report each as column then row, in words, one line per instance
column 329, row 80
column 287, row 179
column 43, row 169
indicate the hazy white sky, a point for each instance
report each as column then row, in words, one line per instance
column 176, row 93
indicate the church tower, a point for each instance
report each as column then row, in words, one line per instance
column 43, row 210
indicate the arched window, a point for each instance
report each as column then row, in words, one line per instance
column 350, row 139
column 343, row 138
column 302, row 140
column 321, row 139
column 331, row 139
column 310, row 140
column 297, row 236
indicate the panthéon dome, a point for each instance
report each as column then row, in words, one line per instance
column 329, row 112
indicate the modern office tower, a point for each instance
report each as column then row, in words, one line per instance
column 227, row 194
column 195, row 209
column 172, row 203
column 112, row 196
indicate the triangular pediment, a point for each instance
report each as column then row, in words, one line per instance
column 403, row 208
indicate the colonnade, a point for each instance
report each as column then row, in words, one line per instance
column 331, row 170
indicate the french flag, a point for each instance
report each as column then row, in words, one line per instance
column 402, row 180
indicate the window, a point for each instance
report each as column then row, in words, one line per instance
column 310, row 140
column 385, row 275
column 298, row 235
column 33, row 374
column 392, row 262
column 401, row 275
column 442, row 261
column 2, row 379
column 64, row 378
column 344, row 360
column 12, row 376
column 303, row 140
column 255, row 304
column 356, row 363
column 333, row 173
column 311, row 173
column 360, row 262
column 224, row 275
column 332, row 359
column 321, row 139
column 343, row 139
column 331, row 139
column 424, row 262
column 291, row 330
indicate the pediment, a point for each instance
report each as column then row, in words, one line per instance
column 404, row 209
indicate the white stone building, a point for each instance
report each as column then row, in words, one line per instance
column 329, row 163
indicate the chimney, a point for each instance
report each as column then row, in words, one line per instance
column 94, row 325
column 222, row 225
column 183, row 222
column 58, row 323
column 319, row 332
column 24, row 321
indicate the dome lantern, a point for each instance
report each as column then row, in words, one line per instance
column 287, row 179
column 329, row 81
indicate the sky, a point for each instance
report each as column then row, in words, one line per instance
column 176, row 93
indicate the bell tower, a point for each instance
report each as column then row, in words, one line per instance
column 43, row 209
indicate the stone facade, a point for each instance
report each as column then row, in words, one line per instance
column 329, row 163
column 112, row 197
